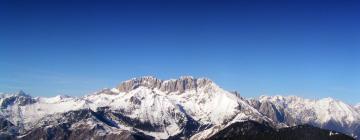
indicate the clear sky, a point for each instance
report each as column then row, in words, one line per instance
column 305, row 48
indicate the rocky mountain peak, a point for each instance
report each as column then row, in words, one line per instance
column 21, row 93
column 19, row 98
column 174, row 85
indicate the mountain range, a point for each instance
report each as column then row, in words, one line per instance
column 183, row 108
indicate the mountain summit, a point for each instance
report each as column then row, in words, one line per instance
column 175, row 85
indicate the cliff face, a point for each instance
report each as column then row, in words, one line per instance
column 179, row 85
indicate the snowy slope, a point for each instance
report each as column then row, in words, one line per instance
column 144, row 105
column 325, row 113
column 25, row 114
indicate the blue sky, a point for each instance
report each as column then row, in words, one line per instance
column 305, row 48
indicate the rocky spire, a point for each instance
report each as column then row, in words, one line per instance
column 175, row 85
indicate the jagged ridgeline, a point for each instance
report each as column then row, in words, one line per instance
column 184, row 108
column 175, row 85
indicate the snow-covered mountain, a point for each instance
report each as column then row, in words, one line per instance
column 150, row 108
column 161, row 109
column 325, row 113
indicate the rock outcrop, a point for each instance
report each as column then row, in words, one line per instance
column 176, row 85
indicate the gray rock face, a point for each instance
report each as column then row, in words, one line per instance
column 179, row 85
column 7, row 129
column 279, row 115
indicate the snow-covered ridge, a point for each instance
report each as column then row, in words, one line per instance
column 326, row 113
column 22, row 109
column 325, row 109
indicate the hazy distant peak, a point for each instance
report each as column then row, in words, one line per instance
column 20, row 98
column 19, row 93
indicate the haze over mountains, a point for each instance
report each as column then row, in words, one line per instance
column 184, row 108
